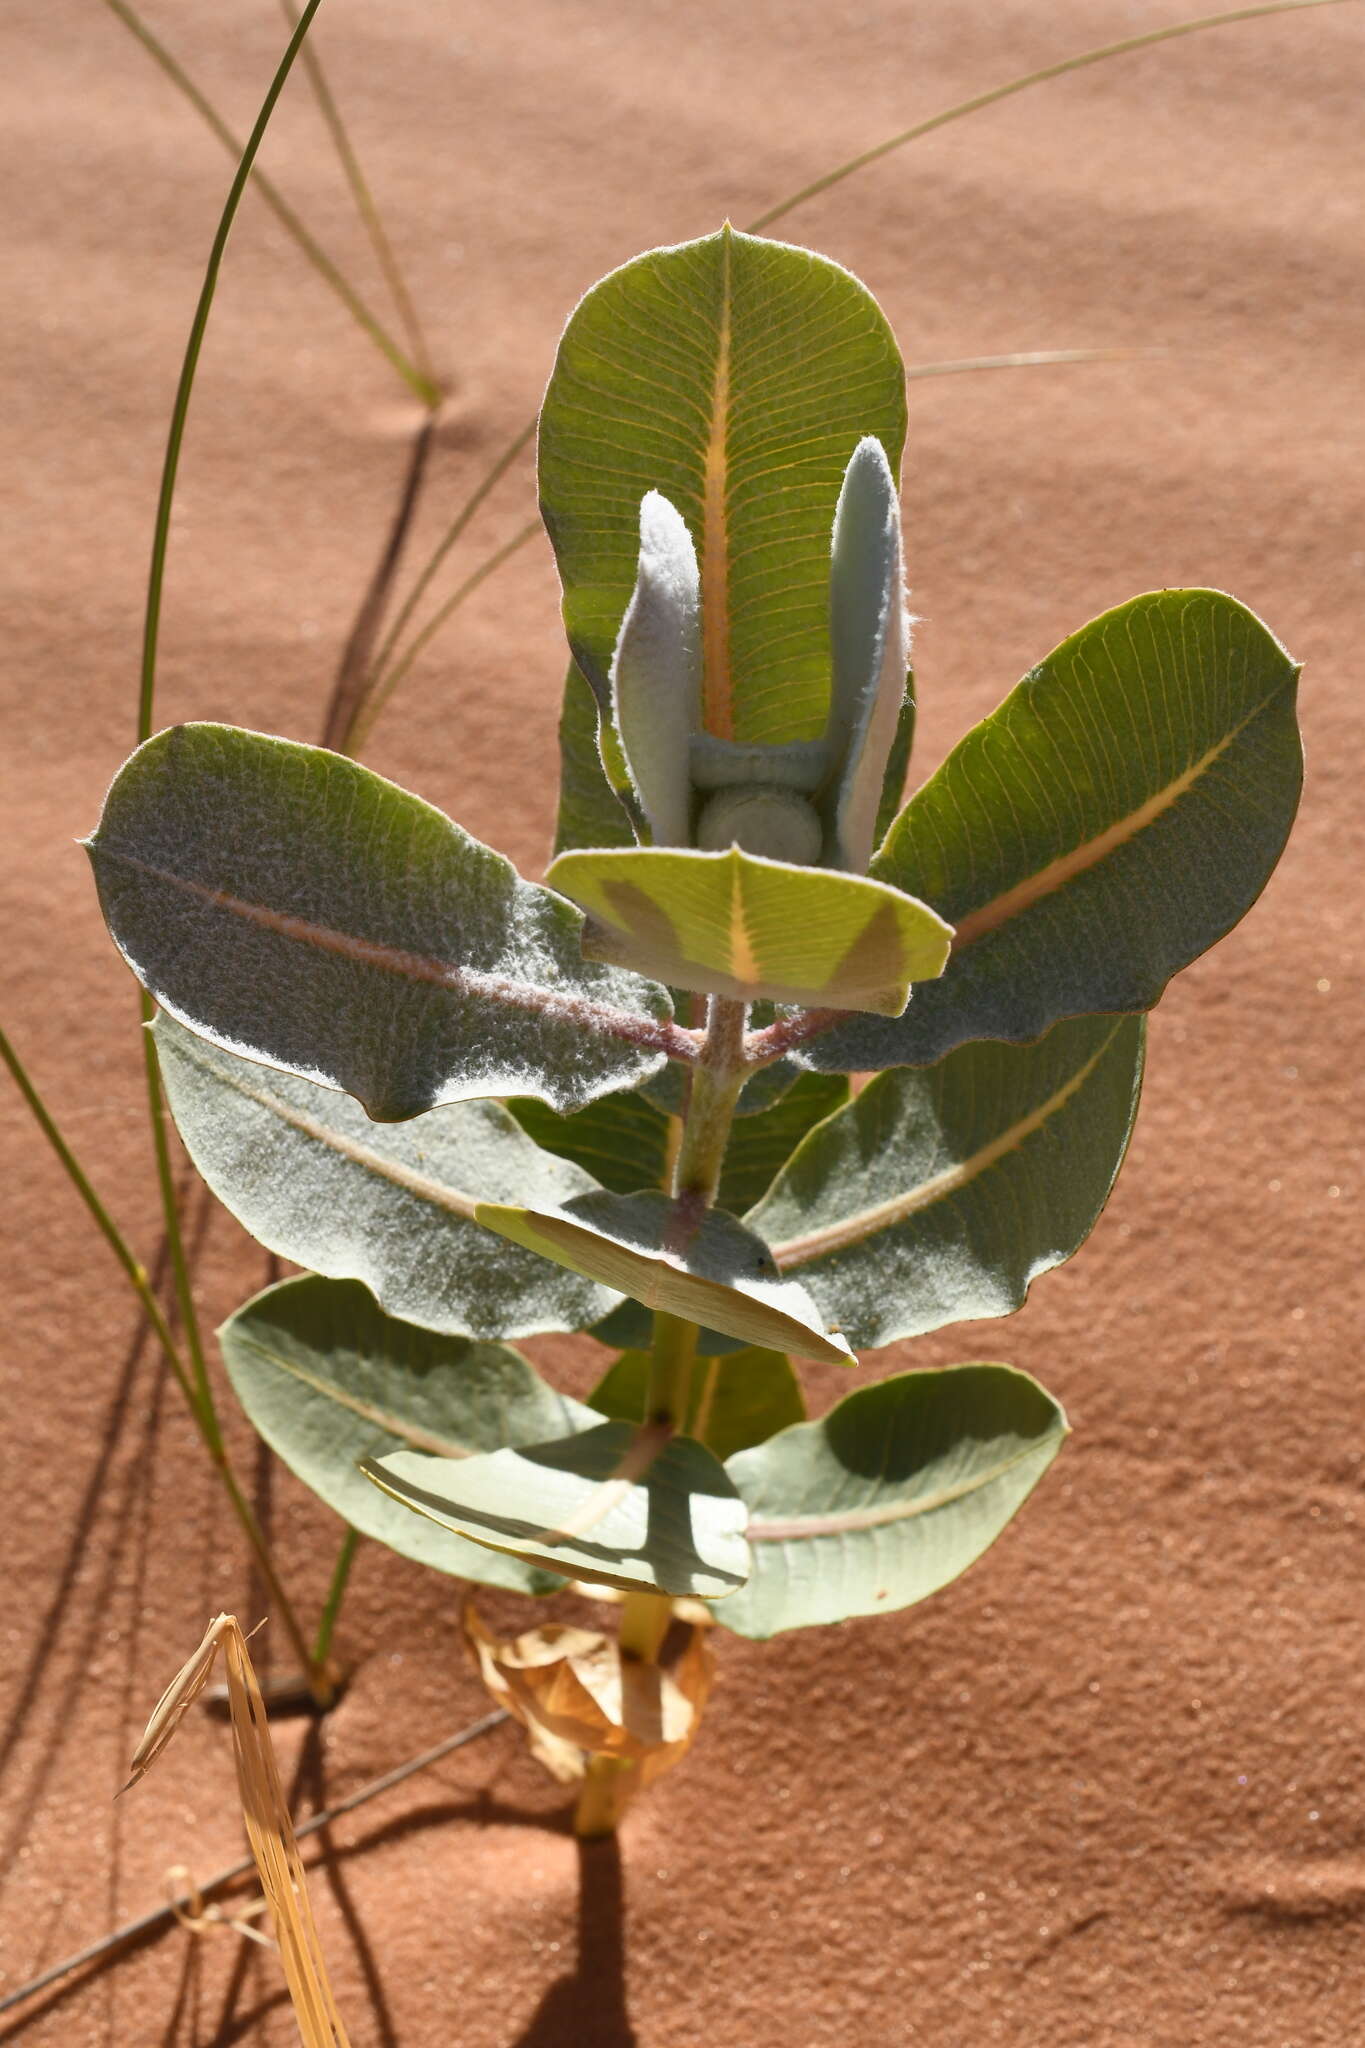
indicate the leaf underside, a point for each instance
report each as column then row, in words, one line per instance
column 328, row 1379
column 571, row 1506
column 314, row 1180
column 890, row 1496
column 939, row 1194
column 721, row 1276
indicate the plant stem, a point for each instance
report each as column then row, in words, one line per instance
column 421, row 386
column 201, row 1409
column 341, row 1572
column 608, row 1788
column 714, row 1084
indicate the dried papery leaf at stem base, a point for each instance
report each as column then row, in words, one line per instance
column 890, row 1496
column 577, row 1695
column 328, row 1379
column 315, row 1180
column 939, row 1194
column 739, row 925
column 296, row 908
column 720, row 1275
column 1118, row 814
column 700, row 371
column 636, row 1508
column 265, row 1812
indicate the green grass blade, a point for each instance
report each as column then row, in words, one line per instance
column 422, row 388
column 1079, row 62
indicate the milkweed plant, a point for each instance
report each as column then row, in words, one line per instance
column 476, row 1109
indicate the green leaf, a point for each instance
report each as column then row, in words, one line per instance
column 890, row 1497
column 294, row 907
column 897, row 764
column 722, row 1275
column 328, row 1379
column 735, row 1401
column 735, row 924
column 621, row 1140
column 1120, row 811
column 939, row 1194
column 390, row 1204
column 590, row 811
column 760, row 1145
column 624, row 1141
column 609, row 1506
column 700, row 372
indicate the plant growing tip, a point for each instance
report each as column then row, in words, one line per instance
column 808, row 802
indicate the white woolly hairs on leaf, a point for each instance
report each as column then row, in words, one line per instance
column 656, row 670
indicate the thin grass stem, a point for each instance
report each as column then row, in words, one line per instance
column 384, row 686
column 419, row 384
column 336, row 1592
column 364, row 202
column 1030, row 359
column 1146, row 41
column 446, row 543
column 201, row 1410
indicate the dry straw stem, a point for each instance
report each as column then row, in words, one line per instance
column 270, row 1831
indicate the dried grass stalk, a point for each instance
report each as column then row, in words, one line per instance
column 270, row 1831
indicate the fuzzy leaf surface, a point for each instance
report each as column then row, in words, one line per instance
column 890, row 1496
column 300, row 910
column 328, row 1379
column 702, row 371
column 722, row 1276
column 1118, row 814
column 736, row 924
column 316, row 1181
column 573, row 1506
column 939, row 1194
column 735, row 1401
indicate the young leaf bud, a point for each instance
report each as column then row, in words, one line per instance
column 869, row 635
column 656, row 670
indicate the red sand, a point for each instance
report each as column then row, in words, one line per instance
column 1108, row 1789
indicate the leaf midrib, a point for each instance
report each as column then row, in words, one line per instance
column 865, row 1223
column 1046, row 881
column 452, row 1200
column 804, row 1528
column 405, row 1432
